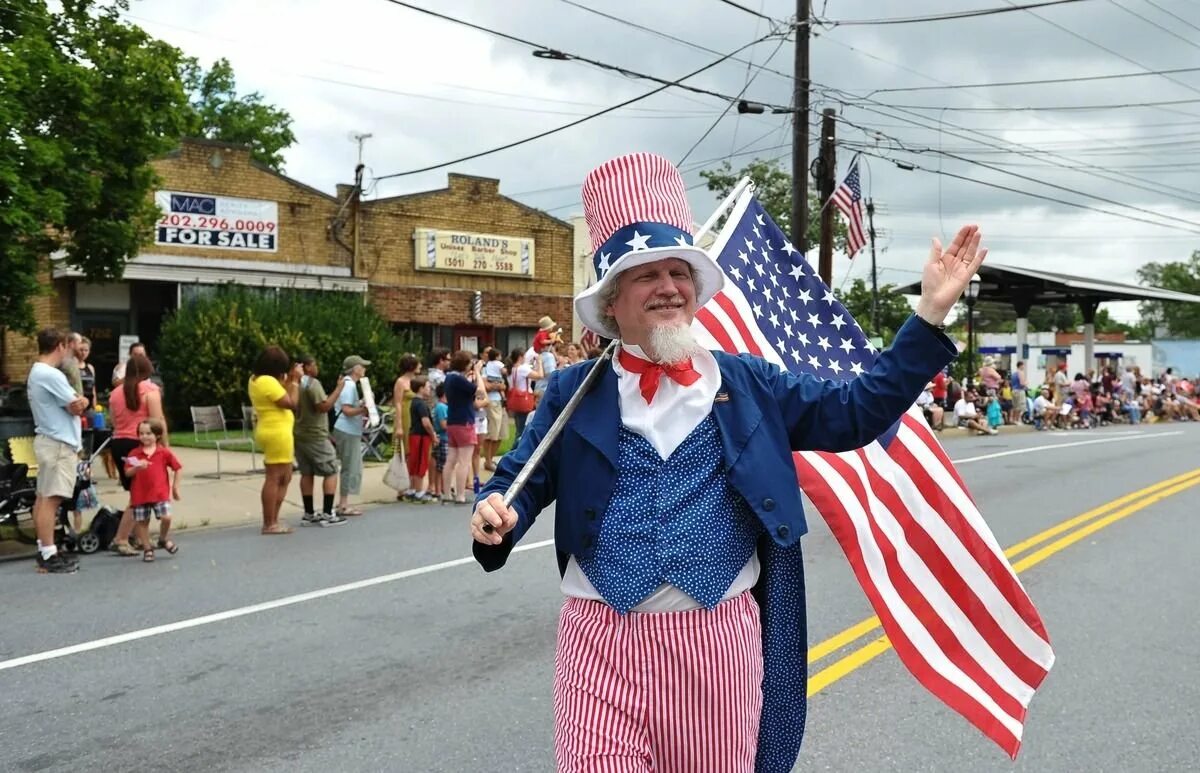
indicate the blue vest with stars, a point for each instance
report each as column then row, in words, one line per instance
column 674, row 520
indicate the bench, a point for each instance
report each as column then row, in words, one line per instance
column 208, row 419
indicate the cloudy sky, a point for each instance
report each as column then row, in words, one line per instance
column 429, row 91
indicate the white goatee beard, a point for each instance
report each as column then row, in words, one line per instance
column 670, row 343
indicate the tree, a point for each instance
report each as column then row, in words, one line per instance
column 894, row 308
column 1181, row 319
column 88, row 100
column 218, row 113
column 774, row 192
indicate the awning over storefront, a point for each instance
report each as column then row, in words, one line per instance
column 209, row 271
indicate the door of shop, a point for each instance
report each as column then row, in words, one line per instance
column 104, row 329
column 474, row 338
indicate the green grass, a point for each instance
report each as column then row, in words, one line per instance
column 207, row 440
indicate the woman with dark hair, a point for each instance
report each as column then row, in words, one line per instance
column 402, row 397
column 464, row 387
column 134, row 401
column 274, row 392
column 520, row 390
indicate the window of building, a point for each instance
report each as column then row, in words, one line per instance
column 509, row 338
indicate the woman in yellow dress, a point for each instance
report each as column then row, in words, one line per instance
column 274, row 391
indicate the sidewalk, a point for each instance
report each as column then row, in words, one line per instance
column 232, row 500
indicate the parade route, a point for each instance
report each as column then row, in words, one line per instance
column 380, row 646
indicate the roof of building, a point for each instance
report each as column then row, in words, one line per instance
column 1013, row 284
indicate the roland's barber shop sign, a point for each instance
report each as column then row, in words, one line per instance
column 216, row 222
column 467, row 253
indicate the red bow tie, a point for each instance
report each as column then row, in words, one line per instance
column 650, row 373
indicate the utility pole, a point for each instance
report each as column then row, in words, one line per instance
column 827, row 169
column 874, row 275
column 800, row 85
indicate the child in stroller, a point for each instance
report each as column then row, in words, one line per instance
column 103, row 527
column 18, row 492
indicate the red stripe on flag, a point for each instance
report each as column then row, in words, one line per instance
column 963, row 596
column 716, row 330
column 842, row 527
column 919, row 428
column 913, row 598
column 735, row 316
column 994, row 566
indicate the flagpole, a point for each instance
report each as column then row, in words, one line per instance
column 723, row 208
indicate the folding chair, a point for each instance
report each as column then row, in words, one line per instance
column 211, row 418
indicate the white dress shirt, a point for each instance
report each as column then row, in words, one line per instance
column 665, row 423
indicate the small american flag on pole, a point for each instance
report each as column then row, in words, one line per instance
column 944, row 592
column 848, row 198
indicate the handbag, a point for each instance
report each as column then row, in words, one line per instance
column 520, row 400
column 396, row 475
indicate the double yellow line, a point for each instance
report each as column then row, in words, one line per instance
column 1090, row 522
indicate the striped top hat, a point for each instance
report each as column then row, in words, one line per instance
column 637, row 212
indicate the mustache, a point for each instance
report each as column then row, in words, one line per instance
column 661, row 303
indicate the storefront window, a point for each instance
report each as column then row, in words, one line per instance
column 509, row 338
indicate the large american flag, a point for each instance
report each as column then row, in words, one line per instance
column 848, row 198
column 946, row 595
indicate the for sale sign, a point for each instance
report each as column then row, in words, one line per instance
column 221, row 222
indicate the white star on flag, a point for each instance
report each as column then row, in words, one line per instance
column 604, row 263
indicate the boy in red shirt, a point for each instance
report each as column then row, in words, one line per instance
column 152, row 487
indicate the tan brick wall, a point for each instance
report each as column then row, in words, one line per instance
column 475, row 205
column 450, row 306
column 305, row 214
column 54, row 310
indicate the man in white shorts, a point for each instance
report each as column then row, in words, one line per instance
column 56, row 445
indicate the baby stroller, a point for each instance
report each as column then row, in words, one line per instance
column 104, row 523
column 17, row 494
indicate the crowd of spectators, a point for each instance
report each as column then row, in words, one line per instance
column 996, row 397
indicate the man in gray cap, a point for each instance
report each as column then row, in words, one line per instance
column 348, row 432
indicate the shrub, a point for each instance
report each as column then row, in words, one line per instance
column 208, row 346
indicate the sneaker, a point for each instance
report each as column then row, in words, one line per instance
column 330, row 519
column 311, row 519
column 56, row 564
column 424, row 499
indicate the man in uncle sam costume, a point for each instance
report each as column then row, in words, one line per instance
column 682, row 638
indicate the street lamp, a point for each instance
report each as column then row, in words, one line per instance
column 972, row 294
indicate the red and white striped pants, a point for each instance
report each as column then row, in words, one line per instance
column 662, row 691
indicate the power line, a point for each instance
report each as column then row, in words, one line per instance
column 1047, row 108
column 546, row 52
column 540, row 135
column 1156, row 186
column 1104, row 48
column 750, row 11
column 673, row 38
column 725, row 112
column 1167, row 30
column 941, row 16
column 1041, row 82
column 1172, row 15
column 910, row 166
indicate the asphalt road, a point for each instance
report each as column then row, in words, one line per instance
column 420, row 667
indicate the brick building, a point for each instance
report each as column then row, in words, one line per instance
column 461, row 267
column 226, row 218
column 464, row 266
